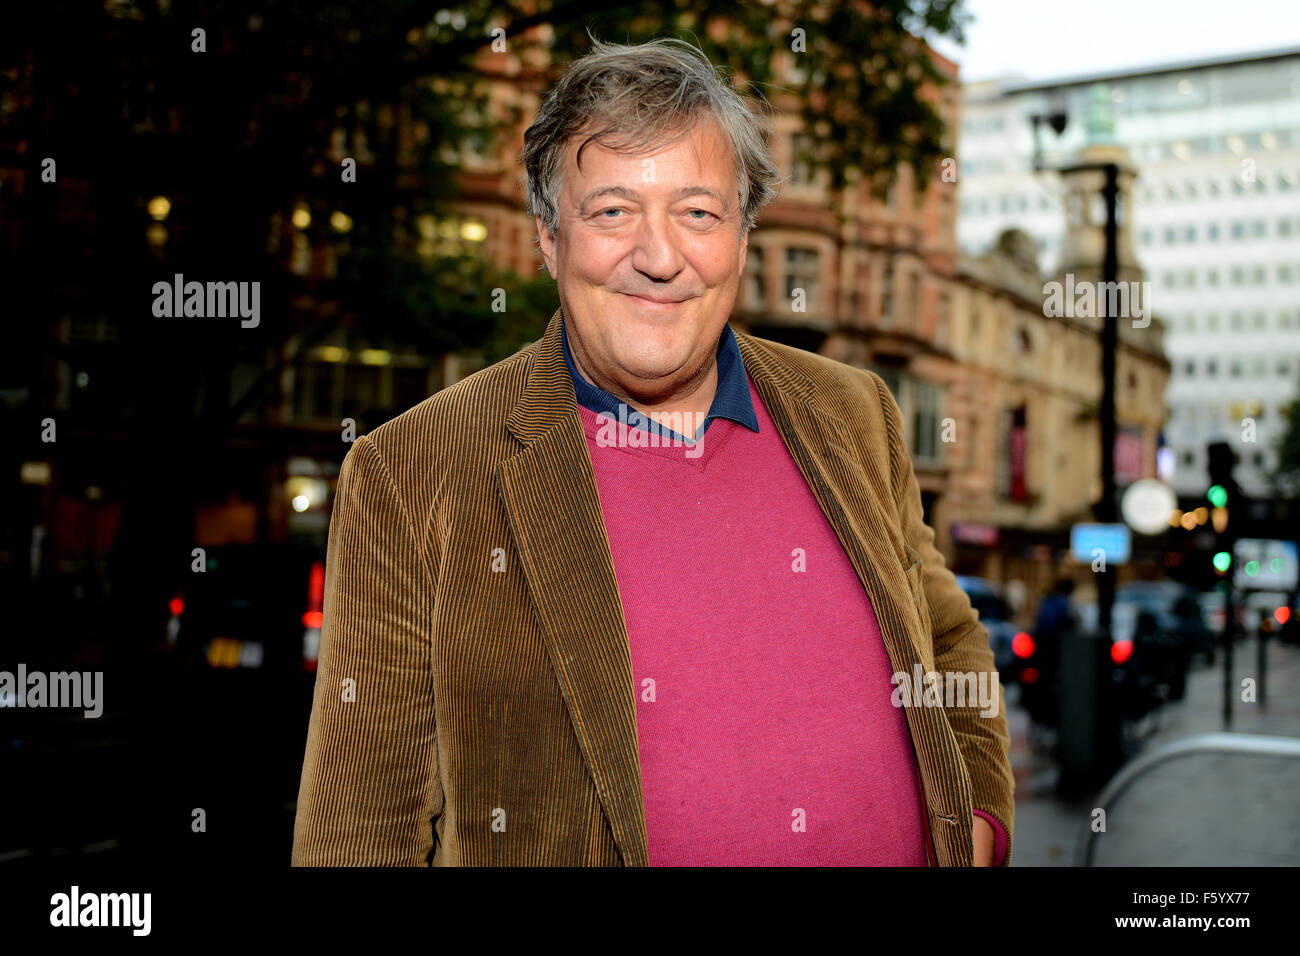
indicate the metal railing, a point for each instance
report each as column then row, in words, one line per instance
column 1233, row 744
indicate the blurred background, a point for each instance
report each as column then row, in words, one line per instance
column 956, row 171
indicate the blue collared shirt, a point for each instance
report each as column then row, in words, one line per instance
column 731, row 400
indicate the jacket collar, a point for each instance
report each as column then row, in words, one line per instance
column 731, row 400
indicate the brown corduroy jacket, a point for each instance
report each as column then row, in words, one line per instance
column 474, row 701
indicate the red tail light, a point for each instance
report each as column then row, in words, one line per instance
column 316, row 586
column 176, row 606
column 313, row 618
column 1121, row 651
column 1029, row 675
column 1022, row 645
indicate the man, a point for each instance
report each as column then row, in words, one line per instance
column 639, row 594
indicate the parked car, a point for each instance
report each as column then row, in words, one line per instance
column 254, row 608
column 1259, row 610
column 1148, row 655
column 1179, row 609
column 1149, row 643
column 995, row 615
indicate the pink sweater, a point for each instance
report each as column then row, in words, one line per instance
column 764, row 721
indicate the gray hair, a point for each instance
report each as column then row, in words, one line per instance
column 640, row 94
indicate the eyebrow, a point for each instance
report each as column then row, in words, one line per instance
column 632, row 194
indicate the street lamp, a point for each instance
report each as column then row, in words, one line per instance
column 1105, row 510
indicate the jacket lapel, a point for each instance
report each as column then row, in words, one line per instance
column 549, row 492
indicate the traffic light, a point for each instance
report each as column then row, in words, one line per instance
column 1223, row 493
column 1225, row 497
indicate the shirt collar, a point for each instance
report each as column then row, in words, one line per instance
column 731, row 400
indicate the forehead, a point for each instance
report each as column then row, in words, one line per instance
column 700, row 156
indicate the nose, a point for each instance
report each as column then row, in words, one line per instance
column 656, row 254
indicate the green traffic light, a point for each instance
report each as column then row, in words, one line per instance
column 1252, row 568
column 1218, row 495
column 1222, row 561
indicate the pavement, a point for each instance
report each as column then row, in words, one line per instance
column 1199, row 810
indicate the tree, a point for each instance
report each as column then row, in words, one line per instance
column 1286, row 476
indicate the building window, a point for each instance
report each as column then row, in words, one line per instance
column 801, row 173
column 1212, row 232
column 925, row 421
column 941, row 319
column 801, row 268
column 887, row 293
column 1012, row 445
column 893, row 381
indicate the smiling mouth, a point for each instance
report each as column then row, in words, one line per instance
column 655, row 304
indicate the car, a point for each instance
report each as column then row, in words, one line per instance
column 1146, row 641
column 253, row 608
column 1269, row 611
column 995, row 615
column 1180, row 610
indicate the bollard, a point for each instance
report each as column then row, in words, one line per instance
column 1090, row 739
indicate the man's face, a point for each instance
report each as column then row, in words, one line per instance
column 648, row 260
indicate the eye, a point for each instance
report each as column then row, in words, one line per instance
column 704, row 211
column 610, row 209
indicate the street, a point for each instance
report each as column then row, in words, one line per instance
column 1047, row 827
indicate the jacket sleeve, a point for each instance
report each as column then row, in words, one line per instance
column 961, row 645
column 369, row 792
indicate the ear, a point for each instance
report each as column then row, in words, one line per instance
column 744, row 251
column 547, row 243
